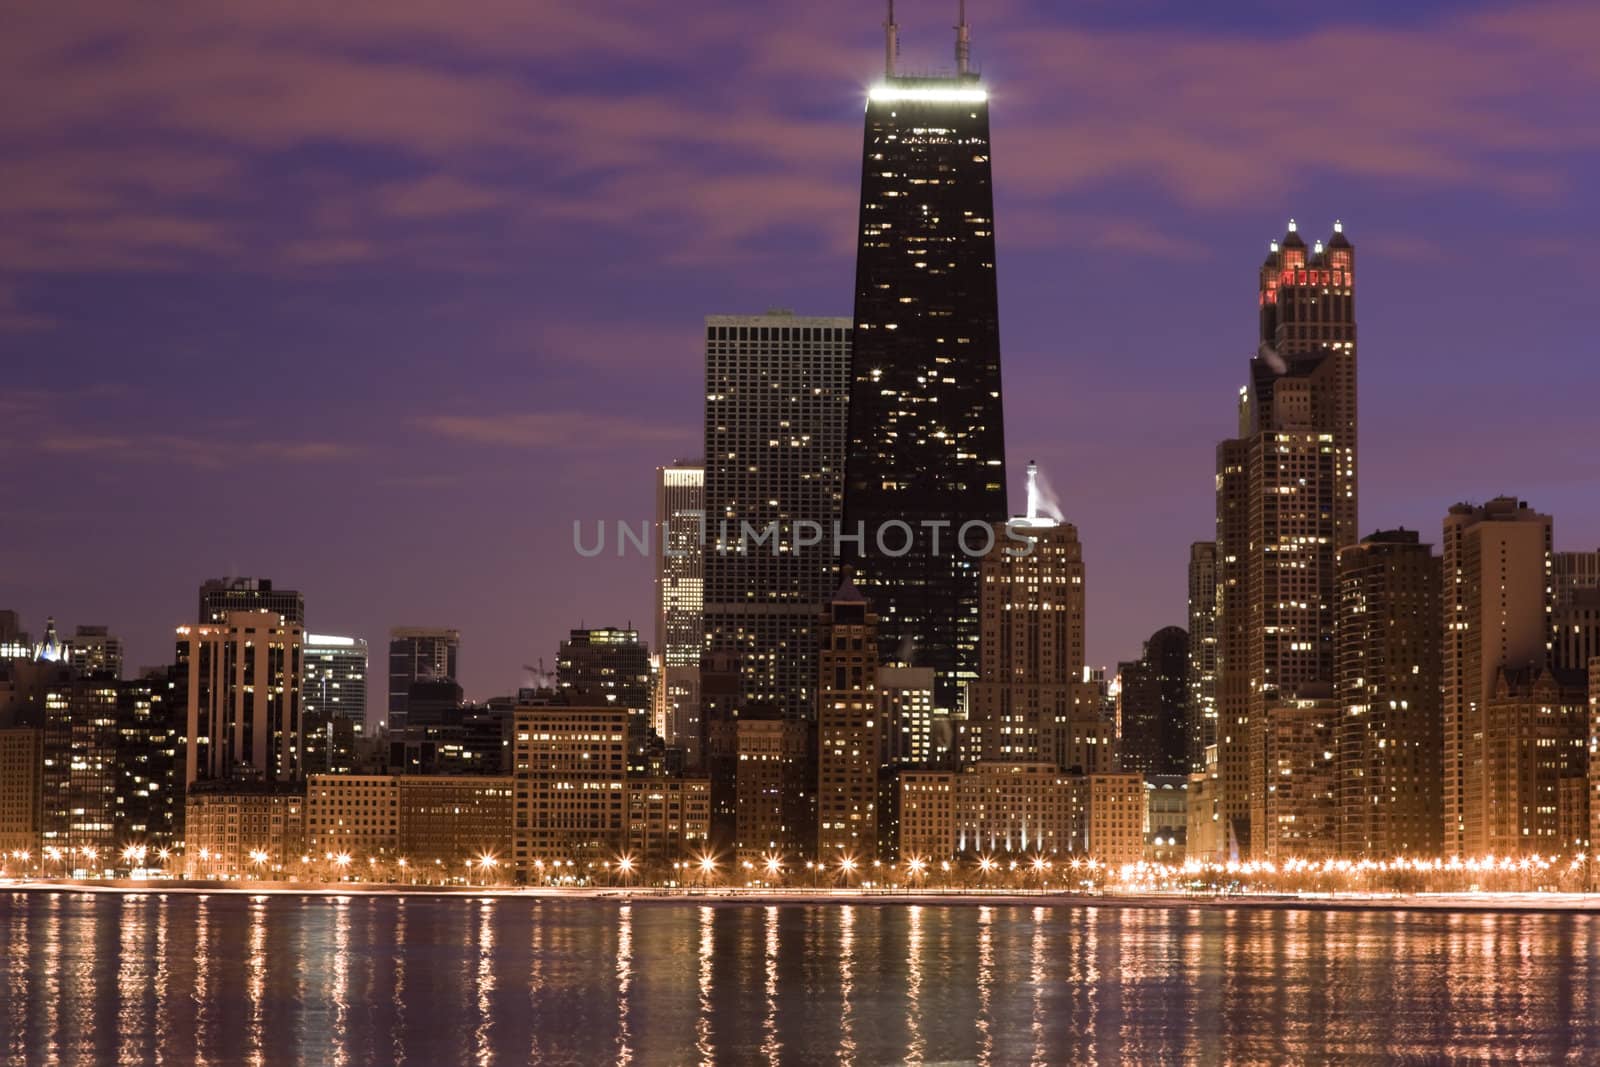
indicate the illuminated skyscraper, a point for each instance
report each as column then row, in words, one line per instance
column 1286, row 502
column 333, row 693
column 680, row 603
column 1152, row 705
column 927, row 442
column 242, row 677
column 776, row 391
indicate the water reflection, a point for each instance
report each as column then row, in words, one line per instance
column 231, row 979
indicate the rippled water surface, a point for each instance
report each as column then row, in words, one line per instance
column 226, row 979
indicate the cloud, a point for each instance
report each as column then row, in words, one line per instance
column 556, row 431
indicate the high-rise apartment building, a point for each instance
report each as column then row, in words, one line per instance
column 1300, row 808
column 219, row 596
column 848, row 731
column 242, row 677
column 1496, row 616
column 680, row 603
column 1031, row 670
column 151, row 715
column 1202, row 720
column 1286, row 501
column 418, row 654
column 1152, row 705
column 927, row 442
column 770, row 754
column 79, row 778
column 1535, row 764
column 1391, row 715
column 777, row 390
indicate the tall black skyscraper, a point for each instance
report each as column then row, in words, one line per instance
column 927, row 442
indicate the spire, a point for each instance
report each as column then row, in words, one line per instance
column 891, row 42
column 1033, row 490
column 963, row 42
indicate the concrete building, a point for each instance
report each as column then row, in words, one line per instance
column 777, row 396
column 1202, row 666
column 1116, row 810
column 1391, row 715
column 680, row 603
column 1031, row 658
column 1301, row 812
column 226, row 822
column 243, row 686
column 669, row 821
column 21, row 764
column 418, row 654
column 769, row 753
column 356, row 814
column 848, row 730
column 570, row 766
column 927, row 822
column 1496, row 616
column 1021, row 809
column 1535, row 748
column 446, row 821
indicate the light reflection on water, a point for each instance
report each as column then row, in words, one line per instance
column 225, row 979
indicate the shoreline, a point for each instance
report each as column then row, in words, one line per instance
column 1559, row 903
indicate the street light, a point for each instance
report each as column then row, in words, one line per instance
column 625, row 865
column 774, row 865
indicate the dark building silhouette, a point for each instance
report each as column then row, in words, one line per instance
column 1153, row 703
column 419, row 654
column 219, row 596
column 926, row 438
column 610, row 668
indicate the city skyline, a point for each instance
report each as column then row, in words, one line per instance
column 79, row 417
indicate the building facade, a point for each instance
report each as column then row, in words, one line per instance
column 21, row 791
column 1391, row 712
column 777, row 391
column 1152, row 705
column 1202, row 668
column 418, row 654
column 220, row 596
column 244, row 830
column 669, row 821
column 849, row 756
column 1535, row 749
column 570, row 766
column 243, row 686
column 1496, row 616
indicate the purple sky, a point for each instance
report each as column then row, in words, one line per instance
column 375, row 299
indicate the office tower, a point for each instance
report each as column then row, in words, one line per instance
column 1496, row 615
column 927, row 441
column 1535, row 765
column 333, row 699
column 1391, row 716
column 1202, row 722
column 21, row 790
column 151, row 714
column 847, row 729
column 95, row 650
column 680, row 603
column 1153, row 705
column 1031, row 668
column 219, row 596
column 570, row 766
column 777, row 389
column 1286, row 501
column 242, row 677
column 914, row 734
column 418, row 654
column 79, row 777
column 610, row 668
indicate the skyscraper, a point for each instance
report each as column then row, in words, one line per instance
column 680, row 603
column 418, row 654
column 1391, row 719
column 610, row 668
column 1153, row 705
column 243, row 684
column 1031, row 683
column 1202, row 722
column 776, row 396
column 1496, row 615
column 1286, row 502
column 927, row 442
column 95, row 650
column 333, row 694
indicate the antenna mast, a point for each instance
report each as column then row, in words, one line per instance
column 891, row 42
column 963, row 43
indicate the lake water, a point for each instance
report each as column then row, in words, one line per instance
column 225, row 979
